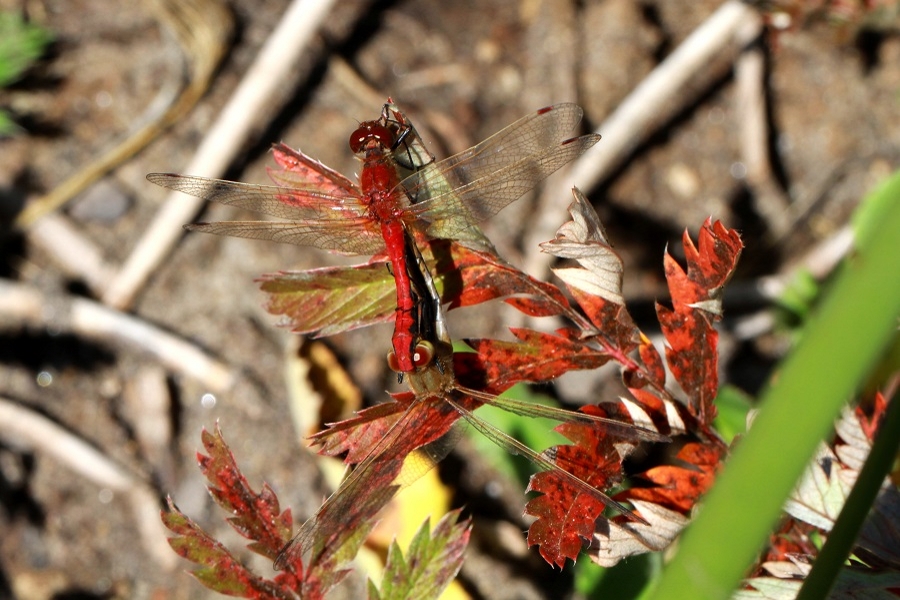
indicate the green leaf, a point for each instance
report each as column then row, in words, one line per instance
column 218, row 569
column 623, row 581
column 8, row 127
column 331, row 300
column 433, row 561
column 732, row 405
column 798, row 298
column 21, row 43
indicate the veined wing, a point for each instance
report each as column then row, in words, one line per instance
column 625, row 431
column 514, row 446
column 530, row 135
column 356, row 236
column 375, row 480
column 295, row 203
column 477, row 183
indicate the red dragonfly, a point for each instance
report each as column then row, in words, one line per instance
column 437, row 401
column 445, row 199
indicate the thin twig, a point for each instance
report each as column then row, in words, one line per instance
column 203, row 27
column 225, row 139
column 37, row 432
column 770, row 201
column 92, row 320
column 148, row 400
column 75, row 254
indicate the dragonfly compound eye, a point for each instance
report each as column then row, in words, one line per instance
column 423, row 354
column 393, row 363
column 371, row 130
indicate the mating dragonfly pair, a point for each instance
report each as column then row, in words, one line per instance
column 404, row 195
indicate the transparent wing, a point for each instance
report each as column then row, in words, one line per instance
column 375, row 480
column 532, row 134
column 359, row 236
column 331, row 221
column 625, row 431
column 514, row 446
column 294, row 203
column 479, row 182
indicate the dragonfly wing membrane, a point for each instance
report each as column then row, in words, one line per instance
column 485, row 197
column 376, row 479
column 295, row 203
column 529, row 135
column 350, row 237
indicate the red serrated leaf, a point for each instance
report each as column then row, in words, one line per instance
column 870, row 423
column 470, row 277
column 331, row 300
column 258, row 516
column 692, row 355
column 534, row 306
column 565, row 516
column 219, row 570
column 668, row 417
column 692, row 342
column 617, row 332
column 654, row 370
column 338, row 528
column 357, row 435
column 538, row 356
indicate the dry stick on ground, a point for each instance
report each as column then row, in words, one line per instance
column 147, row 403
column 659, row 96
column 25, row 427
column 226, row 137
column 360, row 89
column 770, row 201
column 202, row 27
column 91, row 320
column 76, row 255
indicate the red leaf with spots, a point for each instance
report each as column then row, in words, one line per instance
column 219, row 570
column 566, row 516
column 300, row 171
column 468, row 277
column 535, row 357
column 678, row 487
column 378, row 439
column 691, row 340
column 258, row 516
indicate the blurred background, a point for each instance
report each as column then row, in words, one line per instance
column 122, row 337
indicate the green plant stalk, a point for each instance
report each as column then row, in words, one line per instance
column 842, row 536
column 840, row 345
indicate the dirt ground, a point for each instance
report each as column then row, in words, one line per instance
column 462, row 71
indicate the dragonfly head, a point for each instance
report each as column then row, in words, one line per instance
column 368, row 132
column 434, row 368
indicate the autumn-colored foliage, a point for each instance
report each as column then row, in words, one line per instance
column 599, row 330
column 671, row 402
